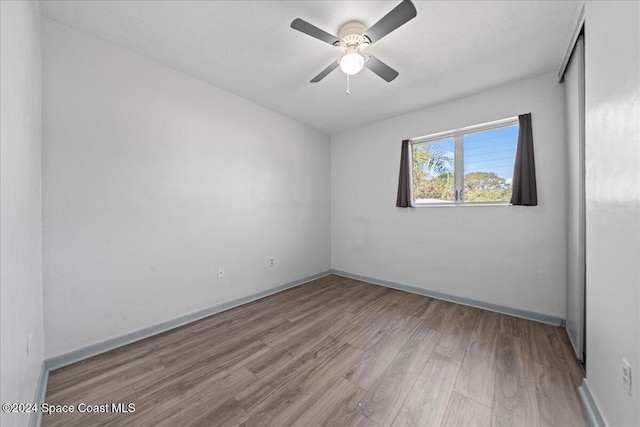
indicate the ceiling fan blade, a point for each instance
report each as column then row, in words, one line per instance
column 380, row 68
column 325, row 72
column 400, row 15
column 313, row 31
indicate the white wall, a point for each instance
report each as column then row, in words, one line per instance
column 152, row 180
column 612, row 83
column 512, row 256
column 20, row 205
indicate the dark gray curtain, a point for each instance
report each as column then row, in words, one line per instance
column 405, row 180
column 524, row 173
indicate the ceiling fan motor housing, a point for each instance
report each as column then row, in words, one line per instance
column 352, row 35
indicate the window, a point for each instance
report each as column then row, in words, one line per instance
column 466, row 166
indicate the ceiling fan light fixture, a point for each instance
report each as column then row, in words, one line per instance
column 351, row 63
column 354, row 37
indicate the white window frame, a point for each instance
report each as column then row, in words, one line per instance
column 458, row 163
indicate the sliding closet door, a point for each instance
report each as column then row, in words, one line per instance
column 574, row 101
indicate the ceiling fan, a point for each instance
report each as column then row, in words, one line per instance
column 354, row 37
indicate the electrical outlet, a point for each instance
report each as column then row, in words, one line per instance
column 220, row 272
column 626, row 376
column 272, row 262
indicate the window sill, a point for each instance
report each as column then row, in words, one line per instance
column 458, row 205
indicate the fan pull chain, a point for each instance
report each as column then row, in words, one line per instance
column 348, row 91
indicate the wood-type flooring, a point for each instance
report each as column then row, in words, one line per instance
column 333, row 352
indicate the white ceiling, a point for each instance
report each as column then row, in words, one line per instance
column 451, row 49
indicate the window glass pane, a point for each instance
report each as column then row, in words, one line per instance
column 489, row 158
column 433, row 179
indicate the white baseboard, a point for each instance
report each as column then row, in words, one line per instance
column 531, row 315
column 113, row 343
column 38, row 399
column 104, row 346
column 593, row 413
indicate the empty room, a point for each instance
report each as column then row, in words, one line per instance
column 320, row 213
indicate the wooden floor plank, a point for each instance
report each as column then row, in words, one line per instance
column 417, row 305
column 267, row 365
column 380, row 308
column 204, row 414
column 282, row 405
column 318, row 357
column 477, row 372
column 456, row 331
column 176, row 388
column 465, row 412
column 99, row 396
column 332, row 300
column 514, row 326
column 374, row 332
column 177, row 400
column 334, row 351
column 375, row 294
column 435, row 313
column 515, row 403
column 63, row 378
column 335, row 407
column 226, row 355
column 379, row 355
column 407, row 303
column 260, row 328
column 303, row 331
column 385, row 397
column 514, row 357
column 546, row 348
column 121, row 375
column 558, row 400
column 278, row 303
column 427, row 401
